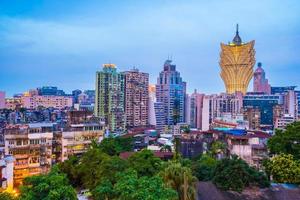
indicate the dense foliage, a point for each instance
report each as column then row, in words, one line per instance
column 179, row 178
column 131, row 187
column 54, row 186
column 286, row 141
column 145, row 163
column 235, row 174
column 7, row 196
column 142, row 176
column 204, row 168
column 283, row 168
column 114, row 146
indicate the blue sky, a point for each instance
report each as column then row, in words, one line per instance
column 63, row 43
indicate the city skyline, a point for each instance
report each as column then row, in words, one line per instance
column 58, row 44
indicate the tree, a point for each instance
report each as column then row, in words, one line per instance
column 218, row 148
column 7, row 196
column 235, row 174
column 286, row 141
column 130, row 187
column 70, row 167
column 54, row 186
column 204, row 168
column 166, row 148
column 96, row 166
column 283, row 168
column 145, row 163
column 104, row 190
column 114, row 146
column 180, row 179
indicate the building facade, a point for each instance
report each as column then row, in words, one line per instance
column 136, row 98
column 31, row 146
column 51, row 101
column 151, row 109
column 260, row 83
column 109, row 100
column 2, row 100
column 196, row 106
column 252, row 115
column 216, row 106
column 170, row 91
column 237, row 61
column 265, row 103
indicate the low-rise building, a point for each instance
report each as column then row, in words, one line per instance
column 31, row 146
column 78, row 138
column 6, row 173
column 283, row 121
column 58, row 102
column 250, row 146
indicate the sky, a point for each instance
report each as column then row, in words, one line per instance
column 63, row 43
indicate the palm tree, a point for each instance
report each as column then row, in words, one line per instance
column 180, row 179
column 218, row 148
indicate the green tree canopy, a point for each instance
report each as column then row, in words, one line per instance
column 180, row 179
column 114, row 146
column 283, row 168
column 235, row 174
column 130, row 187
column 7, row 196
column 95, row 166
column 145, row 163
column 70, row 167
column 204, row 168
column 54, row 186
column 286, row 141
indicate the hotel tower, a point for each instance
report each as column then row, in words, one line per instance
column 237, row 61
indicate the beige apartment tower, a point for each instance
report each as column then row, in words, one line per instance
column 136, row 98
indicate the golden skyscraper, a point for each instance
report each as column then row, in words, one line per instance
column 237, row 61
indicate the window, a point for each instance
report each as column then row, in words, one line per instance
column 19, row 142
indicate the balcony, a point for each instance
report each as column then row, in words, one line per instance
column 20, row 166
column 21, row 156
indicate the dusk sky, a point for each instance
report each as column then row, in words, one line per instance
column 64, row 42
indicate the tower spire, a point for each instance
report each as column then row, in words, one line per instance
column 237, row 40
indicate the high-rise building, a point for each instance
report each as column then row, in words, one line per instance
column 196, row 107
column 136, row 98
column 109, row 101
column 151, row 108
column 252, row 115
column 237, row 61
column 187, row 110
column 216, row 106
column 298, row 105
column 265, row 103
column 75, row 94
column 291, row 100
column 159, row 116
column 291, row 104
column 281, row 90
column 50, row 90
column 260, row 83
column 2, row 100
column 170, row 90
